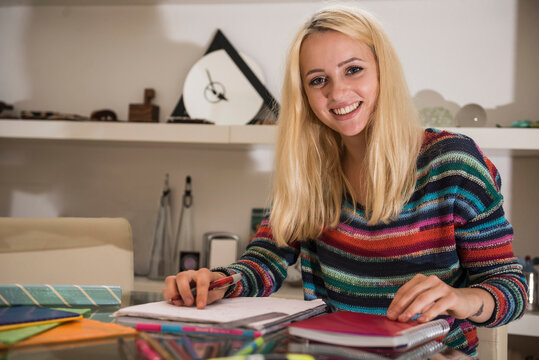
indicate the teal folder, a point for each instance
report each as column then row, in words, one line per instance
column 60, row 295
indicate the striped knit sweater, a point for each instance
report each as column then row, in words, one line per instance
column 453, row 227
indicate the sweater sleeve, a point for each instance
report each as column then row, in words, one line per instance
column 263, row 265
column 484, row 236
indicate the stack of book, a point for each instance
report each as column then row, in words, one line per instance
column 252, row 316
column 240, row 326
column 348, row 334
column 45, row 314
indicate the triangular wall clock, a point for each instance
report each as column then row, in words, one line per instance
column 224, row 87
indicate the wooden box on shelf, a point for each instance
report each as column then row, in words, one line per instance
column 144, row 112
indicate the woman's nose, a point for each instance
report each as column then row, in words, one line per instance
column 336, row 90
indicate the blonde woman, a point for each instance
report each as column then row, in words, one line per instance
column 386, row 217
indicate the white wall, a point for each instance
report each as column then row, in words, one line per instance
column 110, row 180
column 78, row 59
column 82, row 58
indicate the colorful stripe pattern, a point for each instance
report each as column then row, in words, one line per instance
column 453, row 227
column 60, row 295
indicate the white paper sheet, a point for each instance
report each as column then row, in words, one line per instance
column 223, row 311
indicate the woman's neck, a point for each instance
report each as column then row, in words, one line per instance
column 353, row 165
column 355, row 147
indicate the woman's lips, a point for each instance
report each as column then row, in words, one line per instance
column 345, row 110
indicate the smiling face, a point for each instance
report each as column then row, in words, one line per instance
column 340, row 79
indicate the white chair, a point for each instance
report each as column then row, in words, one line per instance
column 492, row 343
column 64, row 251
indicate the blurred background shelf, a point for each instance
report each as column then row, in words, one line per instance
column 512, row 139
column 112, row 131
column 528, row 325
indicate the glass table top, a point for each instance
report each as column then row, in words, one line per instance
column 204, row 346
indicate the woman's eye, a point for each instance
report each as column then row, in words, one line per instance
column 317, row 81
column 354, row 69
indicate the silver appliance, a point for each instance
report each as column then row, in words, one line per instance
column 220, row 248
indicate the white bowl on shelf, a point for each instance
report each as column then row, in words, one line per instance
column 471, row 115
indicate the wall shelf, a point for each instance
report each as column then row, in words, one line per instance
column 113, row 131
column 512, row 139
column 502, row 138
column 136, row 132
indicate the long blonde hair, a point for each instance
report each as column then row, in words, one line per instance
column 309, row 183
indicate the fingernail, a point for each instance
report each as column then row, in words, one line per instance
column 404, row 317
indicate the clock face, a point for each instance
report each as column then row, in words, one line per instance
column 215, row 89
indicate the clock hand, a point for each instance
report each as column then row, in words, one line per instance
column 211, row 83
column 220, row 95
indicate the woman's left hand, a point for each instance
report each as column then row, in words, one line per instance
column 429, row 296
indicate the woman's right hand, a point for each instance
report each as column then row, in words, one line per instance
column 177, row 289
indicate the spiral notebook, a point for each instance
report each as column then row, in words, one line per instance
column 319, row 350
column 366, row 330
column 241, row 312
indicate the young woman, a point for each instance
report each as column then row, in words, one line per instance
column 386, row 217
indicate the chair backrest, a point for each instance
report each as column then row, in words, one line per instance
column 492, row 343
column 64, row 251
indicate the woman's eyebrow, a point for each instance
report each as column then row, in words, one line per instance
column 313, row 71
column 348, row 61
column 342, row 63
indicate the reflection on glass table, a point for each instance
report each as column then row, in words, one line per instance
column 271, row 346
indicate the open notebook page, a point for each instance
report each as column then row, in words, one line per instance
column 223, row 311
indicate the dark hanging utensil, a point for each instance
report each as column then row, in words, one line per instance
column 186, row 256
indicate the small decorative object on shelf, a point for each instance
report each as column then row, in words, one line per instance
column 525, row 124
column 103, row 115
column 225, row 87
column 50, row 115
column 471, row 115
column 145, row 112
column 4, row 106
column 188, row 120
column 436, row 117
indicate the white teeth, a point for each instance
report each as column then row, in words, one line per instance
column 347, row 109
